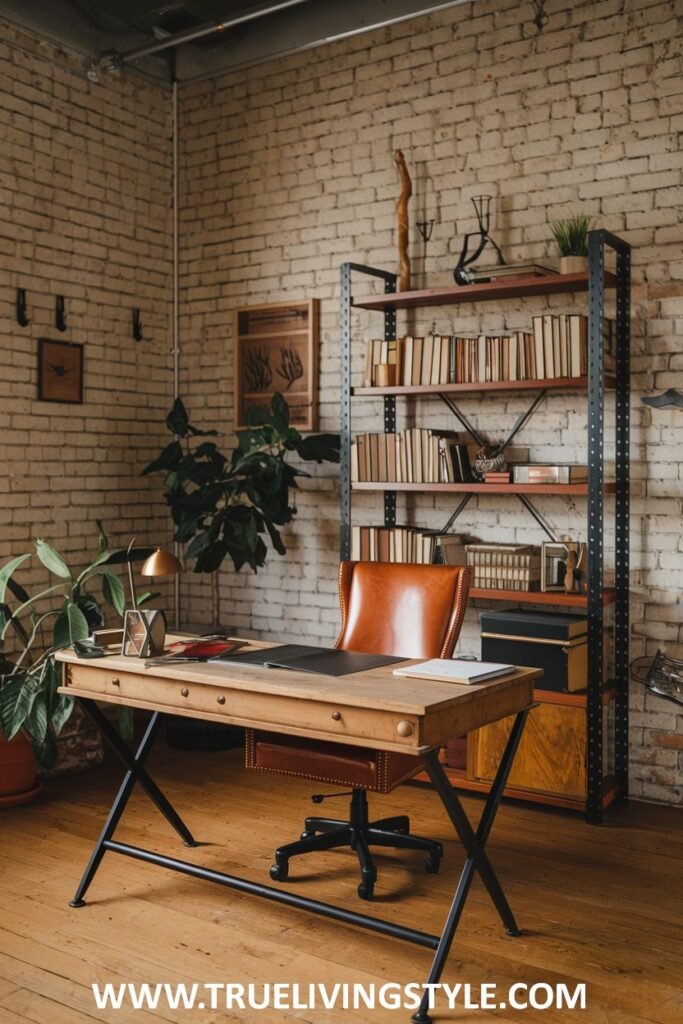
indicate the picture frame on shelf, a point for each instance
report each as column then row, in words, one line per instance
column 553, row 567
column 60, row 371
column 276, row 349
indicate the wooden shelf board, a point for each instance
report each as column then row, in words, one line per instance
column 545, row 384
column 458, row 778
column 518, row 287
column 538, row 597
column 578, row 699
column 390, row 485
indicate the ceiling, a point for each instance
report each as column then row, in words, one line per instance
column 253, row 31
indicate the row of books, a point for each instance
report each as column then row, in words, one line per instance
column 405, row 544
column 505, row 566
column 556, row 347
column 413, row 455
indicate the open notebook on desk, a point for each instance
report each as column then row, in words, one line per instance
column 322, row 660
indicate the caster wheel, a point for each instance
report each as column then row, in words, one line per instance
column 307, row 835
column 279, row 872
column 366, row 890
column 433, row 864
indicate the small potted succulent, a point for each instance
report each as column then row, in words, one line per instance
column 571, row 236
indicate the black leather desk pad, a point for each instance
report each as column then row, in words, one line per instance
column 319, row 660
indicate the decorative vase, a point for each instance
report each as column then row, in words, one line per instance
column 573, row 264
column 18, row 779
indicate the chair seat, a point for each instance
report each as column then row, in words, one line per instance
column 338, row 763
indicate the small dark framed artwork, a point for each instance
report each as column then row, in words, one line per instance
column 60, row 371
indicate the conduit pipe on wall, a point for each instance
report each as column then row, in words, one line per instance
column 175, row 312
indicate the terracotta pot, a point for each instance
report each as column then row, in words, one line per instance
column 18, row 781
column 573, row 264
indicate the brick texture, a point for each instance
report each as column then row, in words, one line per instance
column 287, row 171
column 85, row 188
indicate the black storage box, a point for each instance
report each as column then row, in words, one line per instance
column 554, row 642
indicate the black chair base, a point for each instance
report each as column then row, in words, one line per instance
column 358, row 834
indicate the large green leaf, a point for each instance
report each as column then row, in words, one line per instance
column 71, row 625
column 114, row 591
column 62, row 711
column 7, row 571
column 168, row 460
column 123, row 555
column 22, row 707
column 52, row 560
column 36, row 721
column 319, row 447
column 9, row 694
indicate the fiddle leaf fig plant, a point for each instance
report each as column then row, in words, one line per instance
column 231, row 506
column 60, row 615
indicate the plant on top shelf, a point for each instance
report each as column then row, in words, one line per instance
column 230, row 506
column 57, row 616
column 571, row 236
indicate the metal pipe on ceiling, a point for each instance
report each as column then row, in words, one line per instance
column 199, row 33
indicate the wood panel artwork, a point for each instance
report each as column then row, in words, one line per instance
column 276, row 349
column 60, row 371
column 402, row 218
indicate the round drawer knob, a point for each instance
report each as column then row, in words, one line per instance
column 116, row 682
column 221, row 699
column 336, row 716
column 404, row 728
column 184, row 692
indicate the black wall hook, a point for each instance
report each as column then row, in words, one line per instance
column 137, row 326
column 60, row 313
column 22, row 319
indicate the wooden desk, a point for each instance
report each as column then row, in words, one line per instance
column 372, row 708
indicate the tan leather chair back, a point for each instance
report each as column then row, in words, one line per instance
column 408, row 611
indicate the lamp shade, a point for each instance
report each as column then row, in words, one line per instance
column 161, row 563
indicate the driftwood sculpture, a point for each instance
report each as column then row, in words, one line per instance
column 402, row 216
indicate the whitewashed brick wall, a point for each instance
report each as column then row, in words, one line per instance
column 287, row 171
column 85, row 187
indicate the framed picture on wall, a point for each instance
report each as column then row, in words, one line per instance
column 276, row 349
column 60, row 371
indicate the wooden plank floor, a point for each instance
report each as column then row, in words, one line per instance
column 597, row 905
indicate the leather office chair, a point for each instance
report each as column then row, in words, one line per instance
column 410, row 611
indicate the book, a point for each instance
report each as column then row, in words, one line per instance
column 450, row 670
column 549, row 474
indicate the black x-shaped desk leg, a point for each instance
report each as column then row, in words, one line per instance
column 477, row 859
column 135, row 763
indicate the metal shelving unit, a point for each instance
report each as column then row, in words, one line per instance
column 601, row 789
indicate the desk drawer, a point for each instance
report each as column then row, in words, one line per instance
column 319, row 719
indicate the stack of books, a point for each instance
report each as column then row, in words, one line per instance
column 505, row 566
column 556, row 348
column 415, row 455
column 542, row 473
column 405, row 544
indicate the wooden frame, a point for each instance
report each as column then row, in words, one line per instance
column 276, row 349
column 60, row 371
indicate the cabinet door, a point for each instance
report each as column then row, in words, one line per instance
column 551, row 757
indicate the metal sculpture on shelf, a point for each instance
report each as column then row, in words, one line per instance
column 662, row 676
column 482, row 208
column 669, row 399
column 402, row 215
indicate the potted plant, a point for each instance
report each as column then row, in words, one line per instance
column 571, row 236
column 229, row 507
column 66, row 612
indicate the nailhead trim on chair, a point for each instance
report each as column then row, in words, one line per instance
column 383, row 786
